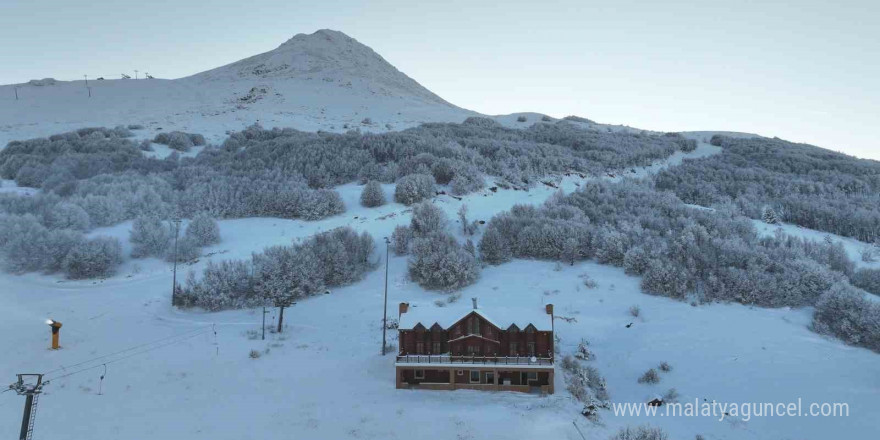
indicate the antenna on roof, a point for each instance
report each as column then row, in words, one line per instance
column 475, row 303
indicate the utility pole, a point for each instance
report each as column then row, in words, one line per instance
column 135, row 74
column 264, row 322
column 32, row 394
column 385, row 308
column 16, row 92
column 281, row 303
column 176, row 222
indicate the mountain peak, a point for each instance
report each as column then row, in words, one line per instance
column 325, row 56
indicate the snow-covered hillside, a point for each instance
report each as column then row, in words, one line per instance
column 323, row 377
column 322, row 81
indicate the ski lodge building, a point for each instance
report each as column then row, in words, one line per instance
column 453, row 348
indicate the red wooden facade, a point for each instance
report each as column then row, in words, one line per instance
column 474, row 352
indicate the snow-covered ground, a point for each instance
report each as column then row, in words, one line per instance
column 324, row 378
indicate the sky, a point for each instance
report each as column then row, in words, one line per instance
column 805, row 71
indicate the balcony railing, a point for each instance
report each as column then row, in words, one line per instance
column 489, row 360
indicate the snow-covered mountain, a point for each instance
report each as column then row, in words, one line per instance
column 321, row 81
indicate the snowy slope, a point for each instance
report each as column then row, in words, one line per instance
column 324, row 378
column 322, row 81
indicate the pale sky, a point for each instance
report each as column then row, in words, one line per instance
column 806, row 71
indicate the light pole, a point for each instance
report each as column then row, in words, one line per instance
column 16, row 92
column 135, row 74
column 176, row 222
column 385, row 308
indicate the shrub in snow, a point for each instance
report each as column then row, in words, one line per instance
column 588, row 281
column 438, row 262
column 367, row 121
column 372, row 195
column 635, row 311
column 640, row 433
column 868, row 254
column 150, row 237
column 467, row 179
column 493, row 248
column 400, row 240
column 583, row 350
column 179, row 141
column 670, row 396
column 32, row 175
column 845, row 313
column 320, row 203
column 254, row 354
column 650, row 377
column 546, row 118
column 427, row 219
column 414, row 188
column 202, row 230
column 577, row 119
column 93, row 258
column 467, row 228
column 146, row 145
column 66, row 215
column 868, row 279
column 135, row 127
column 665, row 367
column 521, row 118
column 122, row 131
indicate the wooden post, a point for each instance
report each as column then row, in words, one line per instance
column 451, row 378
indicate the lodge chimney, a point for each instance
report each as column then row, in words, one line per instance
column 475, row 303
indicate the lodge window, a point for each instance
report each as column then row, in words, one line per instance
column 531, row 346
column 529, row 377
column 475, row 376
column 473, row 350
column 420, row 348
column 460, row 372
column 420, row 374
column 490, row 377
column 436, row 348
column 514, row 349
column 475, row 326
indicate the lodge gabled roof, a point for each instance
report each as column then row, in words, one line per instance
column 502, row 317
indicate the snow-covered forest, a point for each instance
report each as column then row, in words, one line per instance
column 97, row 177
column 688, row 253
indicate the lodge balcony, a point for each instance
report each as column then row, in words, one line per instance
column 446, row 359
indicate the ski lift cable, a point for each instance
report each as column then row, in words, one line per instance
column 64, row 367
column 137, row 353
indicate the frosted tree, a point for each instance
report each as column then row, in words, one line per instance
column 93, row 258
column 466, row 227
column 438, row 262
column 570, row 252
column 414, row 188
column 202, row 230
column 67, row 215
column 427, row 219
column 372, row 195
column 149, row 237
column 768, row 215
column 400, row 240
column 494, row 248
